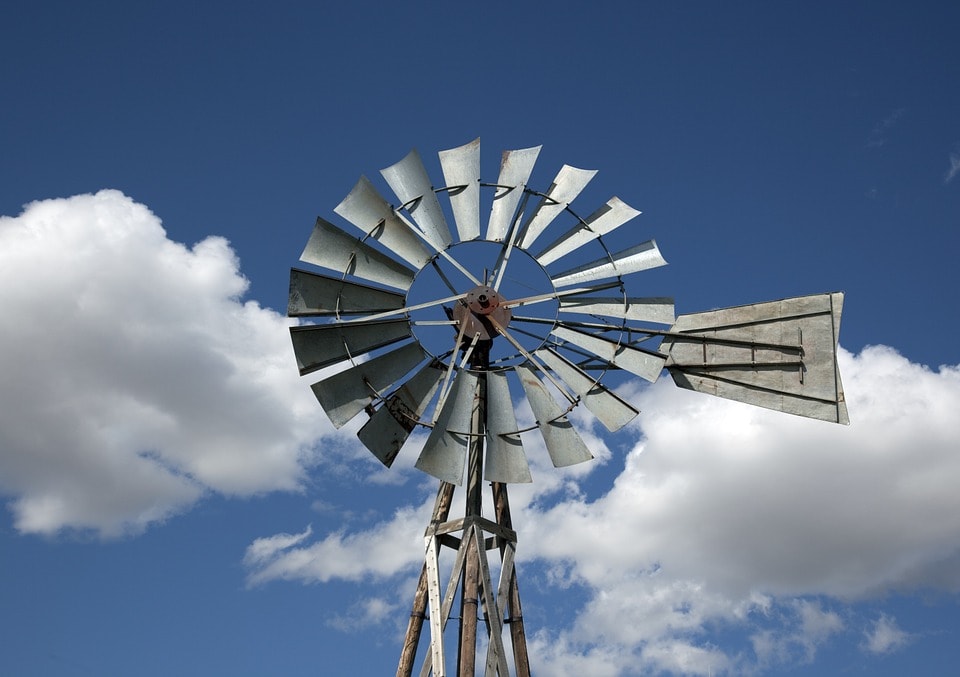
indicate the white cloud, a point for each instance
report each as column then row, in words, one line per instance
column 954, row 167
column 135, row 377
column 884, row 636
column 878, row 135
column 364, row 613
column 389, row 548
column 729, row 516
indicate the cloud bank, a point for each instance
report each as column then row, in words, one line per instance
column 725, row 516
column 136, row 378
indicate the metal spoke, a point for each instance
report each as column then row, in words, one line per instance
column 407, row 309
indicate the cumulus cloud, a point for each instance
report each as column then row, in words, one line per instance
column 726, row 516
column 389, row 548
column 954, row 167
column 136, row 378
column 884, row 636
column 878, row 135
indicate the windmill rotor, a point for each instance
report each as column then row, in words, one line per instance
column 439, row 306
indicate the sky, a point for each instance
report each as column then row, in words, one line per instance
column 176, row 502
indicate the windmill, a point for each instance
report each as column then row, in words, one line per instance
column 424, row 338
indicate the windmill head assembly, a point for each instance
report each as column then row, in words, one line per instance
column 436, row 316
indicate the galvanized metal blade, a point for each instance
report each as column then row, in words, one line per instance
column 641, row 309
column 563, row 442
column 319, row 346
column 346, row 394
column 444, row 454
column 515, row 169
column 312, row 294
column 365, row 208
column 461, row 171
column 606, row 219
column 606, row 405
column 564, row 189
column 644, row 364
column 390, row 426
column 505, row 461
column 409, row 180
column 640, row 257
column 779, row 355
column 331, row 247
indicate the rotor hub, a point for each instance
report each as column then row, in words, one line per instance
column 482, row 309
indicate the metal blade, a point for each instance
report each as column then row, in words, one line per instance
column 563, row 441
column 640, row 257
column 331, row 247
column 409, row 180
column 312, row 294
column 779, row 355
column 515, row 169
column 564, row 189
column 390, row 426
column 640, row 362
column 346, row 394
column 641, row 309
column 606, row 405
column 461, row 171
column 318, row 346
column 506, row 461
column 365, row 208
column 444, row 454
column 609, row 217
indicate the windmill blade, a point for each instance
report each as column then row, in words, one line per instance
column 318, row 346
column 644, row 364
column 515, row 169
column 506, row 461
column 365, row 208
column 780, row 355
column 409, row 180
column 606, row 405
column 390, row 426
column 606, row 219
column 444, row 454
column 641, row 309
column 331, row 247
column 563, row 441
column 564, row 189
column 312, row 294
column 461, row 172
column 639, row 257
column 346, row 394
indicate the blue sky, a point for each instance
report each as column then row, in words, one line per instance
column 177, row 503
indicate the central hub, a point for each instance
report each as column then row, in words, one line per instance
column 481, row 311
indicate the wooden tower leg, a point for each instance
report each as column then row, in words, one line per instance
column 514, row 612
column 471, row 574
column 441, row 510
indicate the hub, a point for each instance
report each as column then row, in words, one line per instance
column 483, row 304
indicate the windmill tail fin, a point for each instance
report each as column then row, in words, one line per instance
column 781, row 355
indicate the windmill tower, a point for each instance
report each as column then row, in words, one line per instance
column 440, row 331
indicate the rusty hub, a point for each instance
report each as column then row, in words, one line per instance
column 482, row 304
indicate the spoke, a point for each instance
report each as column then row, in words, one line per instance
column 549, row 296
column 444, row 388
column 433, row 245
column 583, row 325
column 536, row 363
column 407, row 309
column 509, row 243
